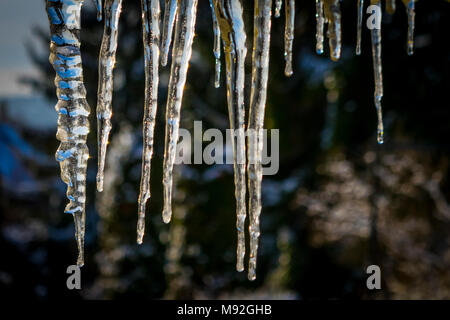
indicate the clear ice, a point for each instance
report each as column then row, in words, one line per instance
column 217, row 45
column 390, row 6
column 106, row 62
column 320, row 21
column 170, row 13
column 260, row 74
column 289, row 36
column 150, row 37
column 98, row 6
column 181, row 54
column 378, row 74
column 230, row 17
column 72, row 107
column 410, row 11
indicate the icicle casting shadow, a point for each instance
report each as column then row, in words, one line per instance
column 229, row 30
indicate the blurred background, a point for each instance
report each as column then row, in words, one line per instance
column 339, row 202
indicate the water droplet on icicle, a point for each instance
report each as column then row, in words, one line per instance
column 360, row 10
column 378, row 74
column 260, row 74
column 150, row 38
column 410, row 11
column 333, row 18
column 72, row 107
column 181, row 54
column 289, row 36
column 98, row 6
column 170, row 13
column 278, row 4
column 231, row 22
column 320, row 21
column 217, row 46
column 390, row 6
column 107, row 60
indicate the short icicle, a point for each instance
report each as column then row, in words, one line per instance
column 170, row 12
column 378, row 74
column 181, row 54
column 360, row 11
column 333, row 17
column 230, row 16
column 98, row 6
column 289, row 36
column 410, row 10
column 217, row 45
column 72, row 107
column 150, row 37
column 278, row 4
column 390, row 6
column 320, row 21
column 106, row 62
column 260, row 74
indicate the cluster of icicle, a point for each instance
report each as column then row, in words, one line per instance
column 179, row 20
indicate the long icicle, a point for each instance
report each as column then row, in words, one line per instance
column 230, row 16
column 150, row 37
column 72, row 107
column 410, row 10
column 260, row 74
column 360, row 10
column 320, row 21
column 289, row 36
column 217, row 46
column 278, row 4
column 106, row 62
column 333, row 16
column 378, row 74
column 170, row 12
column 181, row 54
column 98, row 6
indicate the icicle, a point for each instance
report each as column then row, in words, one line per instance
column 72, row 107
column 378, row 73
column 411, row 17
column 230, row 16
column 150, row 36
column 319, row 26
column 359, row 31
column 289, row 36
column 278, row 4
column 216, row 45
column 181, row 54
column 170, row 12
column 260, row 74
column 107, row 60
column 333, row 16
column 98, row 5
column 390, row 6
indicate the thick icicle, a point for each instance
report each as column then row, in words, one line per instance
column 260, row 74
column 106, row 62
column 181, row 54
column 333, row 17
column 289, row 36
column 230, row 16
column 410, row 10
column 320, row 21
column 98, row 6
column 216, row 45
column 278, row 4
column 170, row 12
column 378, row 73
column 360, row 10
column 72, row 107
column 151, row 37
column 390, row 6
